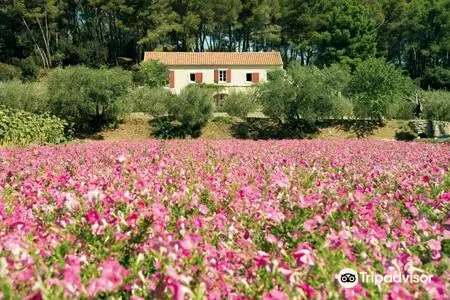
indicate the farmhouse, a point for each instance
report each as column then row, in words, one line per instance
column 232, row 70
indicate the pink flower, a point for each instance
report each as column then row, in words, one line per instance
column 422, row 225
column 220, row 221
column 446, row 234
column 309, row 225
column 413, row 210
column 274, row 215
column 398, row 292
column 71, row 203
column 159, row 211
column 111, row 278
column 271, row 238
column 220, row 202
column 71, row 273
column 203, row 209
column 308, row 290
column 173, row 281
column 93, row 195
column 304, row 255
column 445, row 196
column 436, row 288
column 187, row 244
column 132, row 219
column 357, row 292
column 92, row 216
column 275, row 294
column 262, row 259
column 279, row 179
column 25, row 275
column 435, row 247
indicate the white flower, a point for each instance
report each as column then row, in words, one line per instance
column 72, row 203
column 121, row 158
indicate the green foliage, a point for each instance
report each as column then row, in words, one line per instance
column 412, row 34
column 275, row 95
column 88, row 98
column 376, row 86
column 21, row 128
column 153, row 101
column 446, row 247
column 193, row 107
column 164, row 128
column 152, row 74
column 29, row 96
column 240, row 104
column 305, row 93
column 8, row 72
column 29, row 69
column 348, row 33
column 416, row 36
column 436, row 105
column 405, row 136
column 404, row 132
column 437, row 78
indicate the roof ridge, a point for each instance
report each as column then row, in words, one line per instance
column 215, row 58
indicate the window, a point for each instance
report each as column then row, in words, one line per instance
column 192, row 77
column 248, row 77
column 222, row 76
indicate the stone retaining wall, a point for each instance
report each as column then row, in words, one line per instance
column 430, row 128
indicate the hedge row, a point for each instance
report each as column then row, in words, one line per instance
column 31, row 96
column 20, row 128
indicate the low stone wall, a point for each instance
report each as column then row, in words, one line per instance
column 430, row 128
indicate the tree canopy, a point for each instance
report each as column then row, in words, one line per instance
column 413, row 34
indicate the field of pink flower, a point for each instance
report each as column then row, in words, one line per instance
column 224, row 219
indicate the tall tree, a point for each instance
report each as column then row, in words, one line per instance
column 39, row 30
column 416, row 34
column 349, row 34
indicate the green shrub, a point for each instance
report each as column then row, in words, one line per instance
column 30, row 97
column 437, row 78
column 86, row 97
column 8, row 72
column 164, row 128
column 405, row 136
column 436, row 105
column 22, row 128
column 305, row 93
column 193, row 107
column 29, row 69
column 342, row 107
column 376, row 87
column 240, row 104
column 404, row 132
column 402, row 110
column 147, row 100
column 152, row 74
column 275, row 95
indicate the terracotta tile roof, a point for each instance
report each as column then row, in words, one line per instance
column 216, row 58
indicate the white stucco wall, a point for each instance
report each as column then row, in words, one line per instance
column 238, row 75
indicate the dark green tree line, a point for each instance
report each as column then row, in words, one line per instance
column 412, row 34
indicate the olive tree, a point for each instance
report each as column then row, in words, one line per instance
column 378, row 89
column 305, row 93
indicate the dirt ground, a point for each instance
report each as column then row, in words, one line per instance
column 137, row 127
